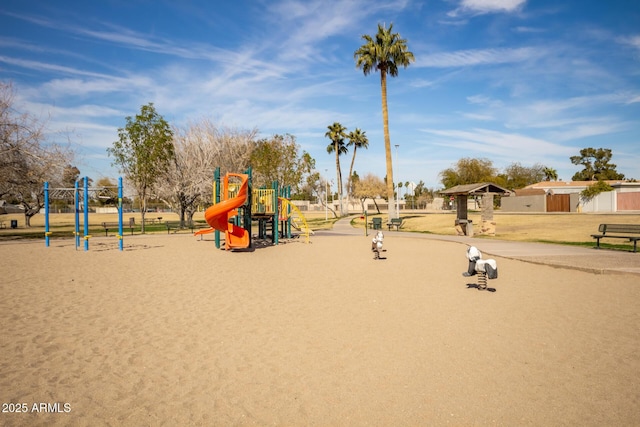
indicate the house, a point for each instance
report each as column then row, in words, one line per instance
column 561, row 196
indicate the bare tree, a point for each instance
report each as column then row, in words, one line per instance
column 316, row 187
column 26, row 160
column 369, row 186
column 199, row 149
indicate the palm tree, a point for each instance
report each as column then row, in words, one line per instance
column 358, row 139
column 406, row 188
column 336, row 134
column 385, row 53
column 550, row 174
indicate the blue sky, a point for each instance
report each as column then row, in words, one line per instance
column 528, row 81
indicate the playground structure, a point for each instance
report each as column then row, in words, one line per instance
column 237, row 205
column 78, row 197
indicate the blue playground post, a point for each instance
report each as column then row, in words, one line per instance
column 120, row 231
column 46, row 213
column 86, row 214
column 76, row 197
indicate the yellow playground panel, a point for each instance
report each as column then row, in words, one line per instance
column 298, row 221
column 263, row 201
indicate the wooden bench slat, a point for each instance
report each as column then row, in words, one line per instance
column 620, row 228
column 621, row 231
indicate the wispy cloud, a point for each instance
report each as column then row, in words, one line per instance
column 564, row 112
column 585, row 129
column 531, row 30
column 491, row 143
column 47, row 67
column 466, row 58
column 478, row 7
column 479, row 117
column 631, row 40
column 557, row 120
column 303, row 26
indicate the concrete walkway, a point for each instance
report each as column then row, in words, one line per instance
column 603, row 261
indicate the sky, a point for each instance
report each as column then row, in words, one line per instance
column 512, row 81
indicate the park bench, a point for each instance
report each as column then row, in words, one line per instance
column 395, row 222
column 175, row 225
column 630, row 232
column 153, row 220
column 114, row 225
column 375, row 223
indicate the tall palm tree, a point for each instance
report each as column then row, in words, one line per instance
column 550, row 174
column 358, row 139
column 336, row 134
column 384, row 53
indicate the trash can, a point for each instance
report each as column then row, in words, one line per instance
column 14, row 223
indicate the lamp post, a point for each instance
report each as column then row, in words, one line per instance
column 397, row 198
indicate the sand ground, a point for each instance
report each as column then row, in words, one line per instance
column 172, row 331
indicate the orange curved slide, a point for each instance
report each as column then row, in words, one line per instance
column 218, row 215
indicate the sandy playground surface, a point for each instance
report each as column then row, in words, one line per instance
column 171, row 331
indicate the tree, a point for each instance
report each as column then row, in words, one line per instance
column 423, row 195
column 70, row 175
column 278, row 159
column 143, row 152
column 316, row 187
column 517, row 176
column 357, row 139
column 199, row 148
column 468, row 171
column 354, row 179
column 384, row 53
column 550, row 174
column 369, row 187
column 27, row 159
column 594, row 189
column 336, row 134
column 107, row 193
column 596, row 165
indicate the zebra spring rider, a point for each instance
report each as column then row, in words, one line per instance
column 376, row 244
column 484, row 268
